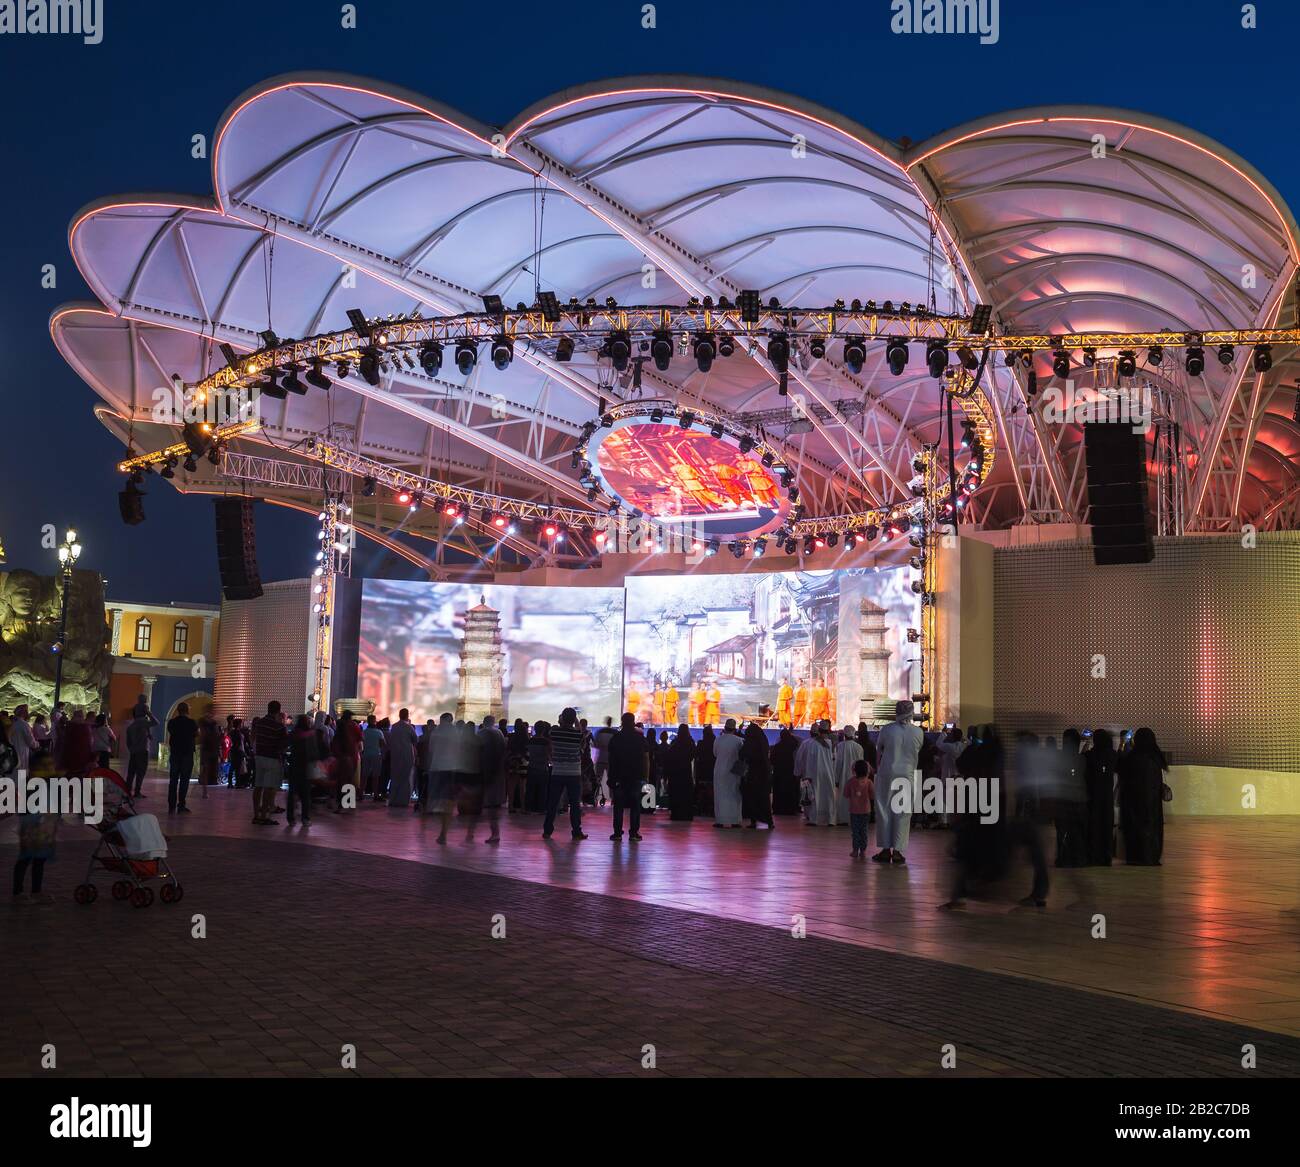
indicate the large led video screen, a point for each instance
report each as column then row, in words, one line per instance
column 676, row 474
column 794, row 646
column 471, row 650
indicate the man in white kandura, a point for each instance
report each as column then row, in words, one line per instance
column 847, row 752
column 726, row 780
column 815, row 761
column 899, row 746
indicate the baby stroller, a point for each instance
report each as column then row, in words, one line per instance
column 131, row 846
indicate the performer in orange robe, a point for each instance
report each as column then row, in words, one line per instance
column 784, row 703
column 714, row 709
column 657, row 707
column 820, row 707
column 633, row 700
column 671, row 698
column 698, row 704
column 800, row 704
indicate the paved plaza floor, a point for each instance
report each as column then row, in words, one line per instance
column 696, row 951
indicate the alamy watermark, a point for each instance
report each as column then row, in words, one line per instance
column 83, row 18
column 23, row 793
column 953, row 17
column 1131, row 405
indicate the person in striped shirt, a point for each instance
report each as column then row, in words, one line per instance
column 567, row 743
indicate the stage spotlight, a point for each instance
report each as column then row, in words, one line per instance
column 716, row 429
column 936, row 357
column 1263, row 358
column 466, row 357
column 980, row 318
column 686, row 419
column 316, row 375
column 360, row 325
column 564, row 349
column 292, row 383
column 431, row 358
column 705, row 349
column 214, row 455
column 1194, row 361
column 871, row 533
column 760, row 548
column 969, row 361
column 855, row 354
column 1225, row 354
column 896, row 527
column 712, row 547
column 819, row 543
column 1089, row 356
column 750, row 306
column 271, row 387
column 620, row 349
column 416, row 500
column 737, row 548
column 367, row 487
column 657, row 415
column 342, row 369
column 726, row 346
column 746, row 444
column 850, row 541
column 917, row 586
column 808, row 543
column 817, row 348
column 169, row 468
column 368, row 366
column 1155, row 354
column 833, row 539
column 778, row 352
column 967, row 434
column 769, row 459
column 190, row 464
column 549, row 529
column 1126, row 363
column 1061, row 364
column 896, row 355
column 503, row 351
column 661, row 349
column 494, row 306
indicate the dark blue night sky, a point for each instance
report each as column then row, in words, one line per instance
column 83, row 121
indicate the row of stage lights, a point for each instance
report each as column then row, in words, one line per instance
column 555, row 533
column 1126, row 360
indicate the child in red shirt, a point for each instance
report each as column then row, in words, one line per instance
column 861, row 793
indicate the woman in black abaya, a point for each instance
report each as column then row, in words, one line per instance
column 756, row 786
column 785, row 786
column 704, row 774
column 1100, row 778
column 1141, row 808
column 680, row 774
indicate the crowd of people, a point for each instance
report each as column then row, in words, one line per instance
column 1081, row 787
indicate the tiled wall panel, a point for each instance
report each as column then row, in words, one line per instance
column 1202, row 645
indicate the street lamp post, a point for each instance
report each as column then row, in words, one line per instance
column 69, row 553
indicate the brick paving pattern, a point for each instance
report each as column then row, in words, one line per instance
column 397, row 959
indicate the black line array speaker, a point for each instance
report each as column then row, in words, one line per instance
column 237, row 549
column 1116, row 460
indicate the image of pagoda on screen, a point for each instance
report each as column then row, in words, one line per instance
column 473, row 650
column 780, row 647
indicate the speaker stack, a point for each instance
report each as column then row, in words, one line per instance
column 1116, row 460
column 237, row 549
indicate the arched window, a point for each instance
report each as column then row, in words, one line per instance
column 181, row 638
column 143, row 634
